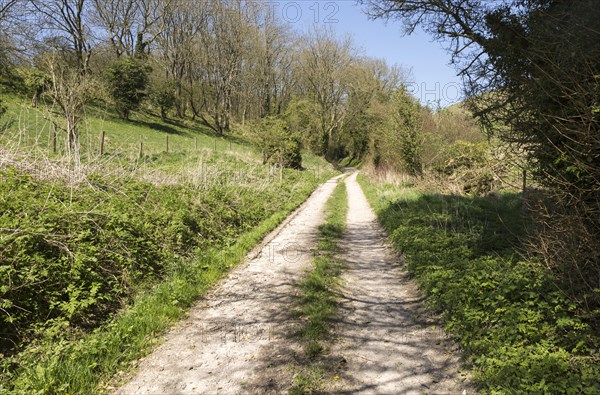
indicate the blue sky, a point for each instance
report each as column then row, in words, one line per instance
column 432, row 79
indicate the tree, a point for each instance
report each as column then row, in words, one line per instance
column 273, row 66
column 5, row 7
column 162, row 95
column 301, row 118
column 370, row 85
column 184, row 21
column 130, row 25
column 127, row 81
column 66, row 24
column 222, row 50
column 397, row 139
column 279, row 145
column 406, row 123
column 531, row 68
column 70, row 92
column 323, row 62
column 8, row 46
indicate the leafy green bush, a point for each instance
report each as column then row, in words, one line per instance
column 36, row 82
column 522, row 334
column 162, row 96
column 127, row 81
column 463, row 155
column 91, row 274
column 280, row 146
column 470, row 165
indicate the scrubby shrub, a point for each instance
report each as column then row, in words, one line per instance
column 36, row 83
column 162, row 96
column 279, row 145
column 470, row 165
column 127, row 81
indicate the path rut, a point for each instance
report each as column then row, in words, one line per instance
column 217, row 349
column 237, row 339
column 390, row 345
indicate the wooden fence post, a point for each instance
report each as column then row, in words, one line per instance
column 101, row 142
column 167, row 144
column 54, row 138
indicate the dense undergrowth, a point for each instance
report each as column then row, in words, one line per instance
column 520, row 332
column 319, row 287
column 73, row 257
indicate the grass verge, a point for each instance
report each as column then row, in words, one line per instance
column 520, row 332
column 87, row 366
column 318, row 302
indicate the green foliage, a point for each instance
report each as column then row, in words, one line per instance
column 162, row 96
column 407, row 124
column 92, row 250
column 70, row 259
column 531, row 70
column 302, row 120
column 319, row 289
column 463, row 155
column 520, row 332
column 279, row 145
column 444, row 128
column 3, row 108
column 10, row 80
column 398, row 141
column 595, row 107
column 127, row 81
column 470, row 165
column 36, row 82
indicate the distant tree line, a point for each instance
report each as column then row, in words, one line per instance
column 221, row 63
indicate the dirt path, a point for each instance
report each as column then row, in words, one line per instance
column 236, row 340
column 219, row 348
column 389, row 343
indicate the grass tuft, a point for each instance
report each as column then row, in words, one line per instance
column 318, row 302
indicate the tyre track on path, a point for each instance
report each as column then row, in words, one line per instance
column 217, row 349
column 388, row 342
